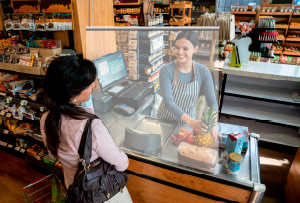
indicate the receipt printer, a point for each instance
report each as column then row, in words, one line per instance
column 102, row 101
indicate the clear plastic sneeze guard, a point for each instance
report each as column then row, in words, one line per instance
column 141, row 105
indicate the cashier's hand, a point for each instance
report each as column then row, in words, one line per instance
column 216, row 133
column 198, row 126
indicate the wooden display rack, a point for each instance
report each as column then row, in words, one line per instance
column 182, row 5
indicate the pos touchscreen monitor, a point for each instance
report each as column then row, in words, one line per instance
column 110, row 69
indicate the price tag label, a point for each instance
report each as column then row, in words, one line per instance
column 17, row 148
column 22, row 150
column 5, row 131
column 2, row 113
column 2, row 94
column 23, row 102
column 8, row 115
column 42, row 109
column 1, row 143
column 8, row 99
column 9, row 146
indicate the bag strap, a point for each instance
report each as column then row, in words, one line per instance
column 85, row 147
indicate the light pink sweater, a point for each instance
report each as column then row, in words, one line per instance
column 103, row 145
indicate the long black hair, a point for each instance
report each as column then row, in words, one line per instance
column 66, row 77
column 192, row 36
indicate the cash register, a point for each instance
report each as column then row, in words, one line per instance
column 115, row 88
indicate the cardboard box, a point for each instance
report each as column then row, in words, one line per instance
column 49, row 52
column 234, row 143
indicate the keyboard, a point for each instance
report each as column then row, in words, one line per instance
column 136, row 90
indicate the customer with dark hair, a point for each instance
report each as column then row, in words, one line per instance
column 183, row 81
column 69, row 81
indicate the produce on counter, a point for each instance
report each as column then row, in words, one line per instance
column 183, row 135
column 209, row 118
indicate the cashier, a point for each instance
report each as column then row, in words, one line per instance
column 182, row 82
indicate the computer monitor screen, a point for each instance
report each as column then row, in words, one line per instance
column 110, row 68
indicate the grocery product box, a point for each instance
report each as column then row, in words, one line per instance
column 234, row 142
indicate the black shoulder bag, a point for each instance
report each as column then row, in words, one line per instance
column 95, row 181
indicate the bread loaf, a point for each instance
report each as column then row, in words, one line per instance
column 199, row 157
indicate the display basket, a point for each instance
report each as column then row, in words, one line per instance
column 46, row 189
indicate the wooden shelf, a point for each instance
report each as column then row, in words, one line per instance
column 243, row 12
column 277, row 51
column 296, row 14
column 179, row 23
column 21, row 69
column 178, row 6
column 276, row 13
column 281, row 26
column 295, row 27
column 127, row 4
column 291, row 53
column 291, row 39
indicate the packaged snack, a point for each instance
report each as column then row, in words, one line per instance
column 27, row 22
column 16, row 22
column 8, row 24
column 40, row 22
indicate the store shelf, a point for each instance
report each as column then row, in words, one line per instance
column 265, row 111
column 180, row 23
column 41, row 164
column 157, row 70
column 21, row 69
column 291, row 39
column 156, row 59
column 294, row 27
column 296, row 14
column 277, row 13
column 260, row 91
column 126, row 14
column 243, row 12
column 127, row 4
column 178, row 6
column 290, row 53
column 277, row 51
column 281, row 26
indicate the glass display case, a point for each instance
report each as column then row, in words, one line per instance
column 167, row 157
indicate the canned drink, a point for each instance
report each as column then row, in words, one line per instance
column 234, row 164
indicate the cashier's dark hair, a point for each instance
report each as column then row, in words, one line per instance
column 192, row 36
column 66, row 77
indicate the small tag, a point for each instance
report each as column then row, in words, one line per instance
column 2, row 93
column 9, row 146
column 5, row 131
column 17, row 148
column 42, row 109
column 22, row 150
column 23, row 102
column 2, row 113
column 8, row 115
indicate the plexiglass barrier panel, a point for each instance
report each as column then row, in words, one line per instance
column 158, row 93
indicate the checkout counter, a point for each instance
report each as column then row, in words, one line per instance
column 156, row 175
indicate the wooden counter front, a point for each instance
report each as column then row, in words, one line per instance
column 152, row 183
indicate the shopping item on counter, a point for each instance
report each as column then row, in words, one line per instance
column 234, row 163
column 234, row 142
column 194, row 156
